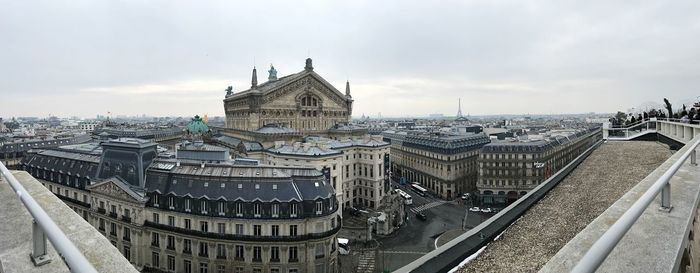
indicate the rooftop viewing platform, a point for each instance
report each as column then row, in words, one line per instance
column 16, row 243
column 598, row 195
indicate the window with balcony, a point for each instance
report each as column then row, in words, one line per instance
column 155, row 259
column 320, row 251
column 204, row 226
column 203, row 268
column 221, row 251
column 156, row 218
column 113, row 229
column 187, row 246
column 275, row 254
column 257, row 254
column 221, row 228
column 239, row 253
column 171, row 263
column 257, row 230
column 155, row 239
column 188, row 224
column 127, row 234
column 171, row 221
column 171, row 242
column 275, row 230
column 293, row 230
column 293, row 254
column 127, row 253
column 203, row 249
column 239, row 229
column 187, row 266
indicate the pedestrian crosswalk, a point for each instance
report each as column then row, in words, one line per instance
column 366, row 263
column 428, row 206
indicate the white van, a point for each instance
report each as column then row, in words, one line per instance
column 343, row 247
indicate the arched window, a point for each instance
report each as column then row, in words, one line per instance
column 314, row 101
column 303, row 101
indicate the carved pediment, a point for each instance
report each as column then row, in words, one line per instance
column 116, row 188
column 308, row 83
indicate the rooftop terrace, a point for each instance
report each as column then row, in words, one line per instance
column 16, row 233
column 568, row 208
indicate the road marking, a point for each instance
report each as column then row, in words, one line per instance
column 366, row 263
column 403, row 252
column 429, row 206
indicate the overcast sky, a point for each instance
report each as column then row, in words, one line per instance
column 402, row 58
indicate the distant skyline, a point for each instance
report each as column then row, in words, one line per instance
column 402, row 58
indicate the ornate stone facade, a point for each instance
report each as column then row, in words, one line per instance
column 303, row 101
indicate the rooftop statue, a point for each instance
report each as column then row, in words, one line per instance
column 273, row 73
column 229, row 91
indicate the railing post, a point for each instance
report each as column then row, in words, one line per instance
column 39, row 254
column 666, row 198
column 693, row 160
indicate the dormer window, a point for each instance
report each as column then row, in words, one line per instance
column 188, row 205
column 293, row 210
column 275, row 210
column 204, row 206
column 171, row 202
column 257, row 210
column 222, row 208
column 319, row 207
column 239, row 209
column 155, row 200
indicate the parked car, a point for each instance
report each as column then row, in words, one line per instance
column 343, row 246
column 486, row 210
column 421, row 216
column 474, row 209
column 465, row 196
column 354, row 211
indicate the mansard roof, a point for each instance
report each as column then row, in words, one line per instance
column 439, row 143
column 243, row 183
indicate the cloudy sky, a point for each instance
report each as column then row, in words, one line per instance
column 403, row 58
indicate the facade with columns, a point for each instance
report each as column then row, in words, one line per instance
column 303, row 120
column 303, row 101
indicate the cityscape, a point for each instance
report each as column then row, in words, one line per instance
column 166, row 144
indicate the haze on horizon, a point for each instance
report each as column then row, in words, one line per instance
column 403, row 58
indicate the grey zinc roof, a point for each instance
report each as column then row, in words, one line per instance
column 276, row 130
column 313, row 150
column 83, row 165
column 38, row 144
column 246, row 183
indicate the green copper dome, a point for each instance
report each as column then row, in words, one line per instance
column 197, row 126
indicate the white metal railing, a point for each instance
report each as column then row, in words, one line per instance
column 43, row 227
column 600, row 250
column 631, row 130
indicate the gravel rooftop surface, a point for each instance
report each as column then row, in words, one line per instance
column 609, row 172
